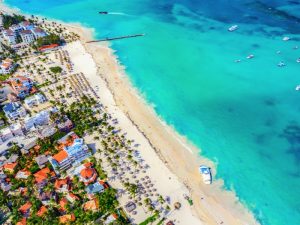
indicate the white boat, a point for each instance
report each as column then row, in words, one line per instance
column 298, row 60
column 233, row 28
column 298, row 87
column 281, row 64
column 286, row 38
column 206, row 174
column 250, row 56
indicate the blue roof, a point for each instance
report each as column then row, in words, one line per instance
column 94, row 188
column 10, row 107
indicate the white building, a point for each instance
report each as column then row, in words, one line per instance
column 35, row 100
column 10, row 36
column 1, row 22
column 16, row 28
column 27, row 36
column 38, row 33
column 40, row 119
column 7, row 66
column 26, row 25
column 14, row 111
column 16, row 129
column 6, row 134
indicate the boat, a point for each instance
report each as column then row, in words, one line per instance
column 237, row 60
column 233, row 28
column 281, row 64
column 298, row 60
column 286, row 38
column 103, row 12
column 250, row 56
column 206, row 174
column 298, row 87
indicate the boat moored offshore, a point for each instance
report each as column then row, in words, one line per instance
column 206, row 174
column 233, row 28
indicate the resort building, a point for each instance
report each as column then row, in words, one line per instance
column 22, row 86
column 96, row 187
column 26, row 25
column 38, row 33
column 16, row 129
column 5, row 134
column 88, row 174
column 72, row 152
column 35, row 100
column 40, row 119
column 10, row 36
column 7, row 66
column 16, row 28
column 27, row 36
column 41, row 160
column 14, row 111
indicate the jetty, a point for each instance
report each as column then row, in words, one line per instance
column 117, row 38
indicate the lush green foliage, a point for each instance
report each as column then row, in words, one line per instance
column 56, row 69
column 9, row 20
column 48, row 40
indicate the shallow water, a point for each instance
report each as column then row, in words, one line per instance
column 244, row 116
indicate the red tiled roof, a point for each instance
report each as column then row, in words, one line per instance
column 63, row 202
column 42, row 175
column 59, row 157
column 91, row 205
column 60, row 182
column 42, row 211
column 22, row 222
column 10, row 166
column 47, row 47
column 72, row 196
column 67, row 218
column 24, row 208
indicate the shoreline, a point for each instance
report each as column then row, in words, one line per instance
column 180, row 157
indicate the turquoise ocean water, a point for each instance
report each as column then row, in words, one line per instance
column 244, row 116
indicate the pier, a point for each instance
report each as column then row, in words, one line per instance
column 117, row 38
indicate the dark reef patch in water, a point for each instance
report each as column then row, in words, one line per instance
column 292, row 134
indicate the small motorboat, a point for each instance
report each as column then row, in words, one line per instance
column 233, row 28
column 295, row 47
column 298, row 87
column 281, row 64
column 250, row 56
column 298, row 60
column 286, row 38
column 103, row 12
column 206, row 174
column 237, row 60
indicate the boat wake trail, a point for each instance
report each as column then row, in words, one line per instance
column 119, row 14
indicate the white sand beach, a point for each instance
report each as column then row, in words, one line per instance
column 173, row 161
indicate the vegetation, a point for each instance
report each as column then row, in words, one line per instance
column 48, row 40
column 9, row 20
column 150, row 219
column 56, row 69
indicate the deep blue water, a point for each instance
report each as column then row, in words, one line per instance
column 244, row 116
